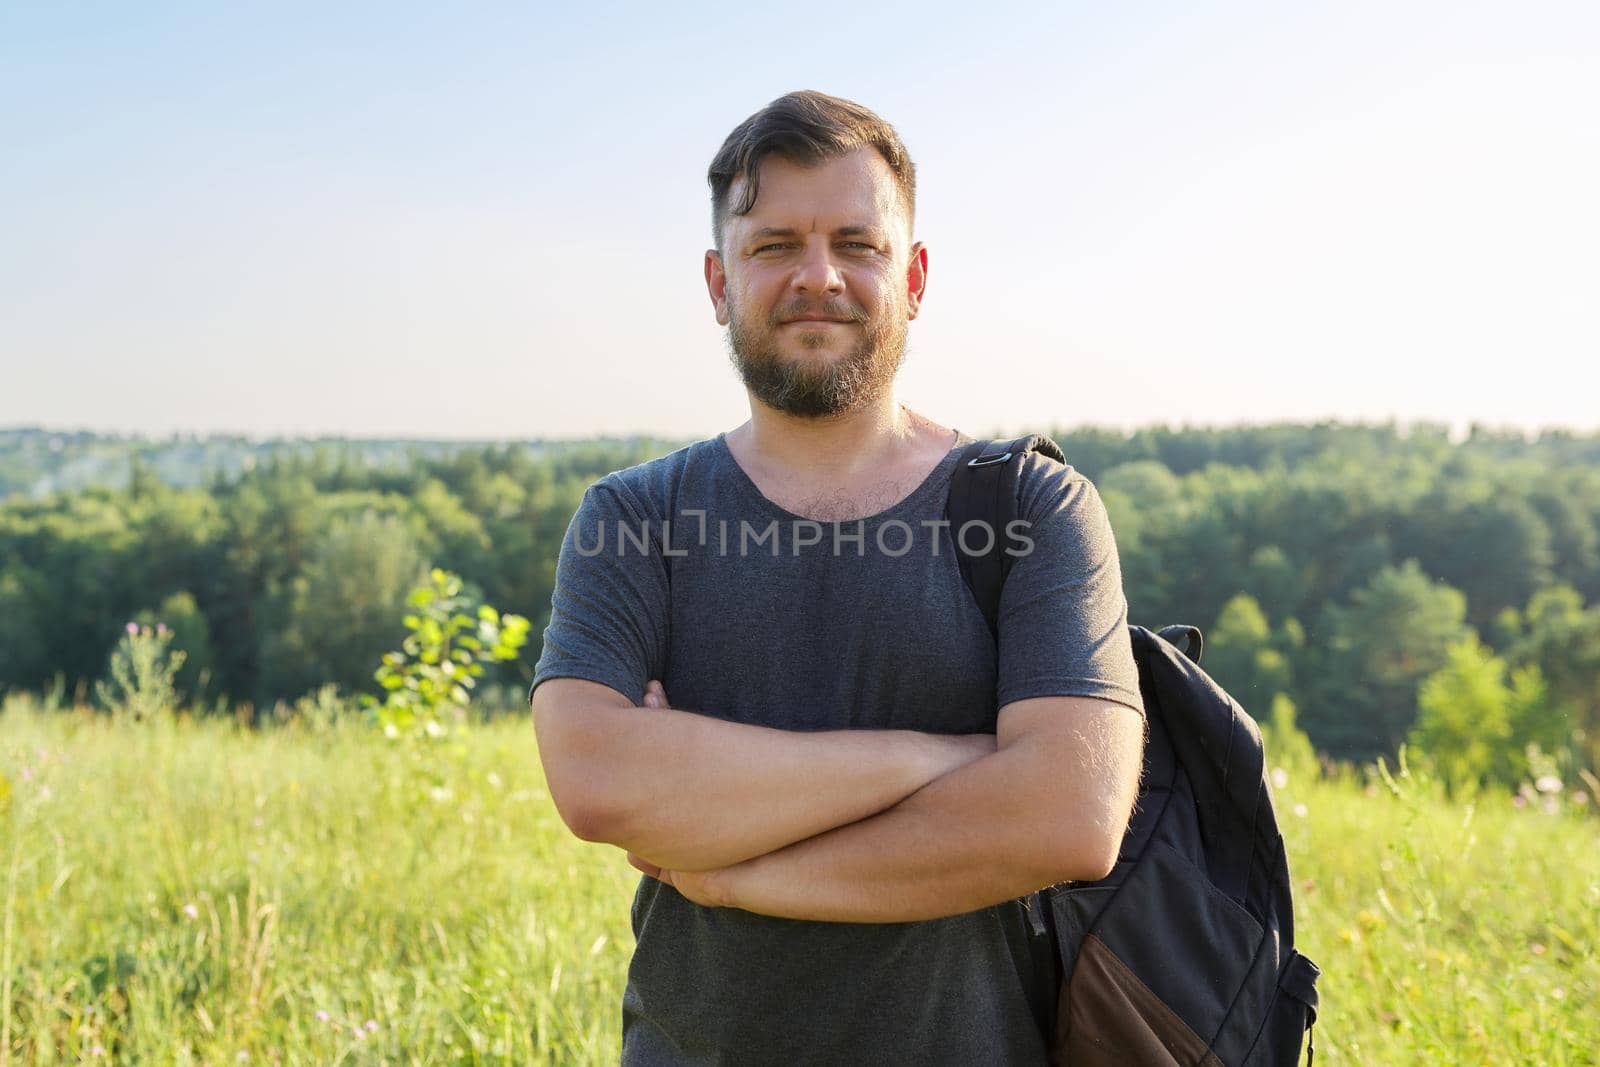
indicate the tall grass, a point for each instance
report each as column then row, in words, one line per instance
column 181, row 891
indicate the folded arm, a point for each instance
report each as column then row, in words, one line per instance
column 690, row 792
column 1050, row 805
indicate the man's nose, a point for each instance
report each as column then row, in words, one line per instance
column 817, row 273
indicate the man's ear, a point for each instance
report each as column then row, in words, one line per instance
column 916, row 278
column 717, row 285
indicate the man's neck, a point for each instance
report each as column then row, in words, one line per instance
column 836, row 450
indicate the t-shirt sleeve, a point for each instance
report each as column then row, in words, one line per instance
column 1063, row 616
column 609, row 611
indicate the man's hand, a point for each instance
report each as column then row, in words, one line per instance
column 702, row 887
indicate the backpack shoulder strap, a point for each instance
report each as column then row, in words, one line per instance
column 984, row 490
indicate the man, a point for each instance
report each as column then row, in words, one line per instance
column 851, row 786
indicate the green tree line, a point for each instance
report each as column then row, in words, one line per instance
column 1387, row 584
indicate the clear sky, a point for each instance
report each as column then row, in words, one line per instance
column 488, row 221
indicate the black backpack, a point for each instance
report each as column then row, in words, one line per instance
column 1185, row 953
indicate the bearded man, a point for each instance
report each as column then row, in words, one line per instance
column 853, row 784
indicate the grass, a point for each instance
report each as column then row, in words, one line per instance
column 193, row 892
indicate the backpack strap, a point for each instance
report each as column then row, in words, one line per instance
column 984, row 489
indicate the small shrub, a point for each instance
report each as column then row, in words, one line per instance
column 142, row 669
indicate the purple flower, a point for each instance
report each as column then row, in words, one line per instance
column 161, row 629
column 322, row 1016
column 133, row 629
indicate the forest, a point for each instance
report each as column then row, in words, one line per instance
column 1375, row 584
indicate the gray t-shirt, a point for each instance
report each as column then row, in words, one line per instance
column 680, row 569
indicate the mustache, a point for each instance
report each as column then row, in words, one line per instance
column 831, row 309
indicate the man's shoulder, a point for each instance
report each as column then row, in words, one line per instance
column 656, row 487
column 1046, row 485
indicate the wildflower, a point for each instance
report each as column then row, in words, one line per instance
column 191, row 911
column 322, row 1016
column 1580, row 798
column 1550, row 806
column 1280, row 777
column 358, row 1033
column 372, row 1026
column 1301, row 810
column 98, row 1050
column 494, row 780
column 1519, row 800
column 162, row 631
column 1537, row 949
column 1548, row 783
column 133, row 631
column 27, row 774
column 1559, row 993
column 242, row 1056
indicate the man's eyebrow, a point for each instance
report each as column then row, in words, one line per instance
column 842, row 231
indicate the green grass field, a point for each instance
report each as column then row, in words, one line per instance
column 197, row 893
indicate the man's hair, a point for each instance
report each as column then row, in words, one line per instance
column 806, row 128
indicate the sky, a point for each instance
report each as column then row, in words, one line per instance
column 488, row 221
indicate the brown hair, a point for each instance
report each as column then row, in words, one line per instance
column 805, row 127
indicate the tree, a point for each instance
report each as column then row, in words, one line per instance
column 336, row 618
column 1562, row 639
column 1241, row 657
column 1464, row 722
column 1372, row 655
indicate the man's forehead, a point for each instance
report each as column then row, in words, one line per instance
column 855, row 191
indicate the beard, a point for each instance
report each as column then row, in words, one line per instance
column 822, row 387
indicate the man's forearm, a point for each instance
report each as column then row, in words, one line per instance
column 968, row 840
column 691, row 792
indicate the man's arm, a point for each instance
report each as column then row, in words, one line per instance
column 1050, row 805
column 691, row 792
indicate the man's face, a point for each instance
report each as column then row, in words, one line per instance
column 817, row 283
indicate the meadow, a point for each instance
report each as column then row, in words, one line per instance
column 194, row 891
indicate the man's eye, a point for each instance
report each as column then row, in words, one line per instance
column 857, row 244
column 763, row 248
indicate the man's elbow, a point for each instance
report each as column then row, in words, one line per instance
column 572, row 768
column 1087, row 850
column 1097, row 862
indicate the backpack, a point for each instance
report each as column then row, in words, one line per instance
column 1185, row 953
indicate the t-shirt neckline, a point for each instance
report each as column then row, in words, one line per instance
column 936, row 478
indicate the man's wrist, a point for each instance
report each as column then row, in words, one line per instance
column 722, row 884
